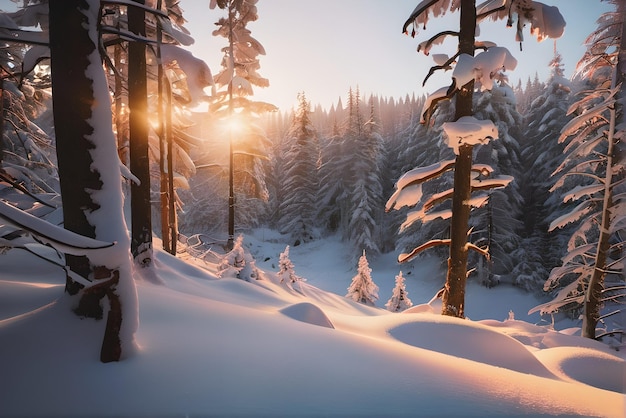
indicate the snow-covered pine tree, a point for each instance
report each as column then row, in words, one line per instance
column 466, row 131
column 497, row 225
column 333, row 179
column 238, row 263
column 300, row 185
column 399, row 300
column 594, row 156
column 363, row 289
column 239, row 74
column 286, row 273
column 541, row 155
column 365, row 190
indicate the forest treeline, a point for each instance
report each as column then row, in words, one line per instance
column 338, row 166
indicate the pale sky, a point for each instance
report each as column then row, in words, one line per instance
column 324, row 47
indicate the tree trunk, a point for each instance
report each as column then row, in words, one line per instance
column 163, row 140
column 72, row 96
column 454, row 290
column 90, row 188
column 141, row 211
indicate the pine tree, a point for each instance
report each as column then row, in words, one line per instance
column 239, row 74
column 595, row 250
column 286, row 272
column 299, row 185
column 399, row 300
column 542, row 153
column 363, row 289
column 365, row 190
column 459, row 135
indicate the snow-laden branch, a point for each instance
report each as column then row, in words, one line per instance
column 581, row 191
column 437, row 39
column 483, row 67
column 443, row 93
column 404, row 257
column 575, row 124
column 572, row 216
column 61, row 239
column 421, row 14
column 408, row 187
column 468, row 130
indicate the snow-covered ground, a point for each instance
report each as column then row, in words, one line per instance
column 225, row 347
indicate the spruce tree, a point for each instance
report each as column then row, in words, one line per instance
column 299, row 185
column 363, row 289
column 399, row 300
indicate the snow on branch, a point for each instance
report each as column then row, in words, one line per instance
column 197, row 71
column 581, row 191
column 572, row 216
column 483, row 67
column 404, row 257
column 421, row 215
column 421, row 14
column 468, row 130
column 437, row 39
column 61, row 239
column 493, row 183
column 545, row 21
column 444, row 93
column 408, row 187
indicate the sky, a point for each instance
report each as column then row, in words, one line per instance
column 324, row 47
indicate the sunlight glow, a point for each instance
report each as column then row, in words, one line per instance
column 235, row 123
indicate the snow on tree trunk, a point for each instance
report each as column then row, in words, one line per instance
column 89, row 170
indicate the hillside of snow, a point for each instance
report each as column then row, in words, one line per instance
column 210, row 346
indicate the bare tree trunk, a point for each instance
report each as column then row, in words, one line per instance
column 454, row 290
column 141, row 211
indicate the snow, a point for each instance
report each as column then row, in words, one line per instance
column 215, row 347
column 468, row 130
column 483, row 67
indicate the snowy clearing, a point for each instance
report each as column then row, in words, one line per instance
column 215, row 347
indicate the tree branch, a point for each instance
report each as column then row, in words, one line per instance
column 402, row 258
column 444, row 66
column 483, row 251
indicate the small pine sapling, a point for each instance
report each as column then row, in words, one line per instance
column 363, row 289
column 238, row 264
column 399, row 300
column 286, row 272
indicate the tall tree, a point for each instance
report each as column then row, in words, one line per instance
column 467, row 131
column 365, row 190
column 238, row 75
column 89, row 170
column 541, row 155
column 141, row 211
column 593, row 156
column 300, row 183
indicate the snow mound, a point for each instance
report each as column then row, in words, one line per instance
column 472, row 341
column 587, row 366
column 309, row 313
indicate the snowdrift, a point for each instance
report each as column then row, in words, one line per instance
column 215, row 347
